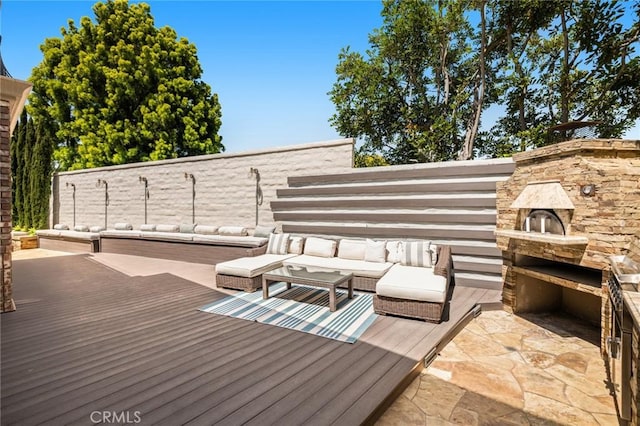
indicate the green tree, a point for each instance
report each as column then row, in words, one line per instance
column 17, row 167
column 40, row 179
column 418, row 92
column 26, row 213
column 119, row 90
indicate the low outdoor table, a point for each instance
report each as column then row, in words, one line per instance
column 314, row 277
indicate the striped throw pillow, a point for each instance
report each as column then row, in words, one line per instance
column 416, row 253
column 278, row 244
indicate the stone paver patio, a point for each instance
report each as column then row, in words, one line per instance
column 542, row 369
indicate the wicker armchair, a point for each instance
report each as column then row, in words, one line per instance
column 427, row 311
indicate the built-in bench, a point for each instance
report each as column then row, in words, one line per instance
column 69, row 241
column 196, row 244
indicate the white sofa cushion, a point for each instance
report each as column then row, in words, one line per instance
column 295, row 245
column 250, row 267
column 167, row 228
column 320, row 247
column 96, row 228
column 148, row 227
column 278, row 244
column 48, row 233
column 120, row 233
column 80, row 235
column 60, row 226
column 393, row 251
column 226, row 240
column 356, row 267
column 233, row 231
column 375, row 251
column 81, row 228
column 416, row 253
column 412, row 283
column 167, row 236
column 263, row 231
column 206, row 230
column 188, row 228
column 123, row 226
column 351, row 249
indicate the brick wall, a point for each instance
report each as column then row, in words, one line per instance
column 6, row 302
column 225, row 188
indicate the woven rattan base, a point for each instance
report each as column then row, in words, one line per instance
column 363, row 284
column 427, row 311
column 239, row 283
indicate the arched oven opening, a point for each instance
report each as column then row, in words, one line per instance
column 545, row 221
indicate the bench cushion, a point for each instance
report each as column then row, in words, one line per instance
column 70, row 235
column 412, row 283
column 48, row 233
column 115, row 233
column 225, row 240
column 250, row 267
column 166, row 236
column 356, row 267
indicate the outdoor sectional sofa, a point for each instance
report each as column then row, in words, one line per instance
column 189, row 243
column 410, row 278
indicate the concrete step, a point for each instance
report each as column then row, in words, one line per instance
column 491, row 265
column 477, row 168
column 478, row 280
column 425, row 216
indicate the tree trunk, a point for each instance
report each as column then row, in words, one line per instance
column 474, row 122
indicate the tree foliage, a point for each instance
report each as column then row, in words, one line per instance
column 31, row 155
column 119, row 90
column 434, row 67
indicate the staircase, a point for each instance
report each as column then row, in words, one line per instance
column 451, row 203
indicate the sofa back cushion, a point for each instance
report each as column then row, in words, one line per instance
column 206, row 230
column 416, row 253
column 394, row 251
column 167, row 228
column 148, row 227
column 81, row 228
column 188, row 228
column 375, row 251
column 263, row 231
column 123, row 226
column 295, row 245
column 351, row 249
column 233, row 231
column 96, row 228
column 320, row 247
column 278, row 244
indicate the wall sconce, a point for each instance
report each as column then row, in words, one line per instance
column 102, row 182
column 259, row 198
column 188, row 176
column 588, row 190
column 146, row 194
column 73, row 186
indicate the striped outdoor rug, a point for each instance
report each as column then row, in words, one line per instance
column 302, row 308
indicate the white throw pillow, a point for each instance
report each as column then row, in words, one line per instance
column 60, row 227
column 167, row 228
column 376, row 251
column 148, row 227
column 434, row 254
column 295, row 245
column 206, row 230
column 81, row 228
column 188, row 228
column 416, row 253
column 263, row 231
column 394, row 250
column 278, row 244
column 351, row 249
column 123, row 226
column 96, row 228
column 320, row 247
column 233, row 231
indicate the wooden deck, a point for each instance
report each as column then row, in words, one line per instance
column 88, row 338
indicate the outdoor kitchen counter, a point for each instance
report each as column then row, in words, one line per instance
column 632, row 301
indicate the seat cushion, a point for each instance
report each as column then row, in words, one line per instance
column 250, row 267
column 412, row 283
column 356, row 267
column 80, row 235
column 226, row 240
column 114, row 233
column 48, row 233
column 166, row 236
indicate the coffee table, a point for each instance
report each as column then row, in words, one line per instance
column 314, row 277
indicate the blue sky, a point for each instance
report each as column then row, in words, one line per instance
column 271, row 63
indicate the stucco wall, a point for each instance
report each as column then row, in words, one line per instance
column 225, row 188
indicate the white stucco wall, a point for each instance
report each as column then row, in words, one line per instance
column 225, row 188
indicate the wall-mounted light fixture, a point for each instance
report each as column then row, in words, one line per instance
column 146, row 195
column 259, row 198
column 102, row 182
column 73, row 186
column 588, row 190
column 188, row 176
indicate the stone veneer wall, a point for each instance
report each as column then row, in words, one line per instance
column 225, row 189
column 6, row 302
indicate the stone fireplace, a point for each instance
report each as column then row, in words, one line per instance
column 585, row 195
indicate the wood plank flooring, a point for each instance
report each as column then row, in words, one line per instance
column 87, row 338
